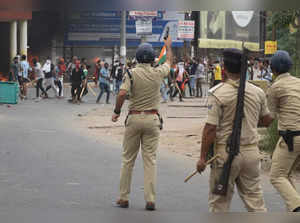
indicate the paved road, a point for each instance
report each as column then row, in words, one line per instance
column 49, row 172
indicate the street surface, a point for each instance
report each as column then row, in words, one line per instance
column 50, row 171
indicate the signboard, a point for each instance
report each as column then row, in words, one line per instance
column 102, row 28
column 270, row 47
column 186, row 29
column 10, row 15
column 242, row 18
column 223, row 29
column 143, row 27
column 143, row 13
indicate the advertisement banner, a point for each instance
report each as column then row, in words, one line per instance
column 186, row 30
column 103, row 28
column 143, row 27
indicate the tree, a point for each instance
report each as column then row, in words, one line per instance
column 287, row 24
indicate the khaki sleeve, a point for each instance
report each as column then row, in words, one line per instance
column 264, row 109
column 126, row 84
column 163, row 70
column 214, row 111
column 273, row 101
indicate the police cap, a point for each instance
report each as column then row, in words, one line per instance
column 145, row 53
column 281, row 62
column 232, row 60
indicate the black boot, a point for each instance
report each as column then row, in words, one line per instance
column 297, row 209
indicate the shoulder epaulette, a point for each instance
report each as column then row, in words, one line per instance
column 212, row 90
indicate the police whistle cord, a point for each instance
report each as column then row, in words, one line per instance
column 207, row 163
column 233, row 142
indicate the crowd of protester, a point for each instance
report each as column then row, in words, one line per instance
column 188, row 78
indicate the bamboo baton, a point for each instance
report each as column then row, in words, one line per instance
column 91, row 89
column 83, row 89
column 207, row 163
column 179, row 90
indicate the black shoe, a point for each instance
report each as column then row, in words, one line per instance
column 122, row 204
column 150, row 206
column 297, row 209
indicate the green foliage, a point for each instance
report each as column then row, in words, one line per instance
column 284, row 18
column 271, row 138
column 286, row 40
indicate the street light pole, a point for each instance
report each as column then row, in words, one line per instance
column 123, row 37
column 143, row 39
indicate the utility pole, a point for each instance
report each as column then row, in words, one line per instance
column 196, row 18
column 262, row 15
column 143, row 39
column 297, row 45
column 123, row 37
column 187, row 44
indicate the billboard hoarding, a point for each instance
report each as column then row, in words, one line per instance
column 103, row 28
column 223, row 29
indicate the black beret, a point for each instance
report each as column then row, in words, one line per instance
column 233, row 60
column 145, row 53
column 281, row 62
column 232, row 55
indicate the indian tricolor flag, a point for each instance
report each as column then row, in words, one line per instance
column 163, row 56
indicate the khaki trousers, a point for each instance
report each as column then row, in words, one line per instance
column 283, row 163
column 141, row 130
column 245, row 174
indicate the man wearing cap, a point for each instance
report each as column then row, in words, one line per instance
column 143, row 122
column 245, row 170
column 284, row 102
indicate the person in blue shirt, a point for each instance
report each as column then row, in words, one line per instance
column 104, row 80
column 25, row 68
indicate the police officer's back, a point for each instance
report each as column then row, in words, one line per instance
column 143, row 120
column 284, row 102
column 245, row 169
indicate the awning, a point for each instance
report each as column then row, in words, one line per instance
column 224, row 44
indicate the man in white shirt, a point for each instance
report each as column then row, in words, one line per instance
column 48, row 69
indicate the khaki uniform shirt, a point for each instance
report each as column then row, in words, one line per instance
column 145, row 92
column 222, row 106
column 284, row 101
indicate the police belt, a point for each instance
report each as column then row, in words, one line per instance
column 288, row 137
column 147, row 112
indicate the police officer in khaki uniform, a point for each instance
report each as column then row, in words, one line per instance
column 245, row 171
column 284, row 101
column 143, row 121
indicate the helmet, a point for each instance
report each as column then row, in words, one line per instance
column 145, row 53
column 281, row 62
